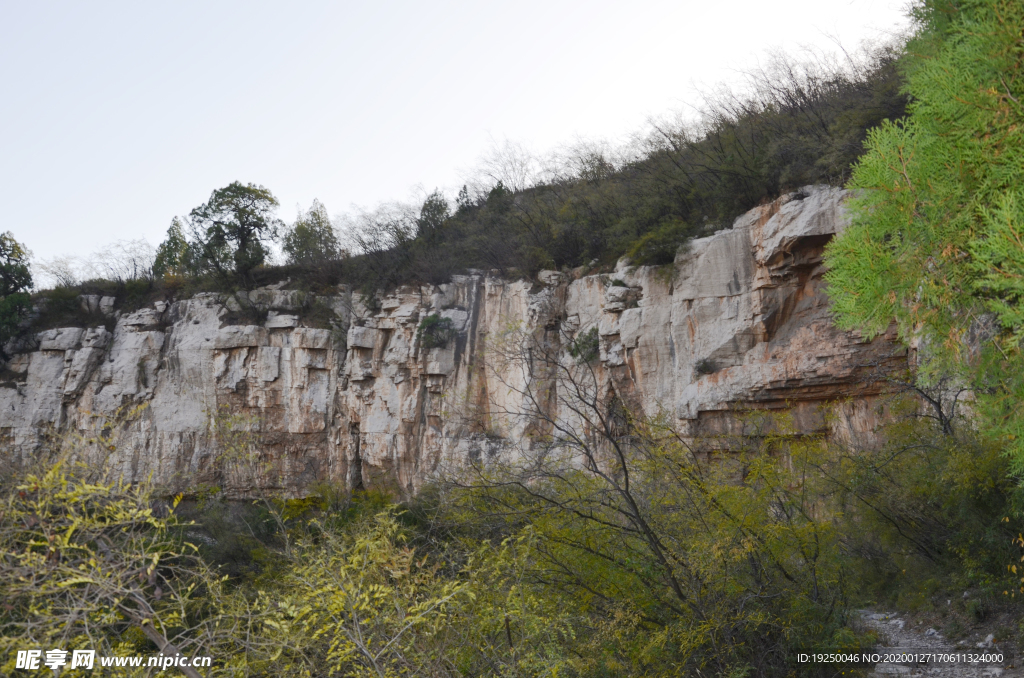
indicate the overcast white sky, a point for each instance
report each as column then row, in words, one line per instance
column 114, row 117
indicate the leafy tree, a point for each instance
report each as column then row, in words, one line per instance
column 929, row 501
column 463, row 202
column 679, row 563
column 361, row 603
column 230, row 231
column 936, row 241
column 87, row 563
column 312, row 238
column 15, row 281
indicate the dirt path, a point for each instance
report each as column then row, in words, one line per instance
column 898, row 637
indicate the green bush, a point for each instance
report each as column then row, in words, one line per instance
column 704, row 366
column 436, row 331
column 668, row 560
column 659, row 247
column 586, row 346
column 926, row 510
column 136, row 293
column 658, row 555
column 62, row 307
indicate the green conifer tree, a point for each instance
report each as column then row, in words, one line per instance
column 937, row 239
column 311, row 239
column 172, row 255
column 15, row 281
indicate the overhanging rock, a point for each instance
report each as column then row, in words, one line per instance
column 741, row 321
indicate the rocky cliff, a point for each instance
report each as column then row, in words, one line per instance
column 740, row 321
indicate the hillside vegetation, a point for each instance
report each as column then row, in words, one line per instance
column 796, row 123
column 614, row 547
column 802, row 124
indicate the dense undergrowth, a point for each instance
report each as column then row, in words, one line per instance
column 661, row 556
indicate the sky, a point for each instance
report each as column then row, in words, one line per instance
column 115, row 117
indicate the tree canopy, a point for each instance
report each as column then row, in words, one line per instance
column 311, row 239
column 803, row 122
column 800, row 123
column 173, row 254
column 937, row 240
column 15, row 282
column 231, row 229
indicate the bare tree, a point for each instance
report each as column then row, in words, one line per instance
column 510, row 163
column 119, row 262
column 62, row 271
column 122, row 261
column 584, row 160
column 614, row 490
column 384, row 238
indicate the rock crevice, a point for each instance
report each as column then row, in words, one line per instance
column 739, row 321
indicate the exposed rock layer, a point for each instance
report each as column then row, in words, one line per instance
column 740, row 321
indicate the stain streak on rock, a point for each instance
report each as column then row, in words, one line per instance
column 379, row 409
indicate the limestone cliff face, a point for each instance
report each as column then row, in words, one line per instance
column 741, row 321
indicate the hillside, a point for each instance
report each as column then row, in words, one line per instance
column 703, row 407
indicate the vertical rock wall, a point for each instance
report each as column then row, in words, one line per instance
column 740, row 321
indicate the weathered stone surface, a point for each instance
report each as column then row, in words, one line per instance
column 142, row 318
column 747, row 305
column 94, row 303
column 96, row 337
column 62, row 339
column 551, row 277
column 362, row 337
column 440, row 361
column 458, row 317
column 90, row 302
column 629, row 327
column 280, row 321
column 269, row 363
column 309, row 337
column 107, row 306
column 235, row 336
column 83, row 363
